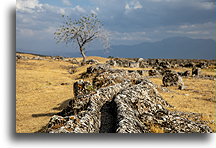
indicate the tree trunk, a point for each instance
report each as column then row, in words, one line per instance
column 83, row 55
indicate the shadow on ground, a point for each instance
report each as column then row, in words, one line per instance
column 60, row 107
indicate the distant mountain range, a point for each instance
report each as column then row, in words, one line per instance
column 173, row 48
column 170, row 48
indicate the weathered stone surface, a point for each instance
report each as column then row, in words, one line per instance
column 18, row 57
column 141, row 72
column 74, row 61
column 138, row 110
column 184, row 74
column 87, row 120
column 123, row 63
column 92, row 61
column 122, row 102
column 165, row 65
column 98, row 68
column 111, row 77
column 143, row 64
column 202, row 65
column 112, row 62
column 133, row 64
column 82, row 88
column 171, row 78
column 58, row 58
column 37, row 58
column 196, row 72
column 153, row 73
column 95, row 70
column 189, row 65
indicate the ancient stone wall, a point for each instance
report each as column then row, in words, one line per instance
column 162, row 63
column 121, row 102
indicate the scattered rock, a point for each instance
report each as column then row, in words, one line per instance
column 171, row 78
column 141, row 72
column 18, row 57
column 196, row 72
column 165, row 65
column 72, row 71
column 189, row 65
column 112, row 62
column 153, row 73
column 133, row 64
column 74, row 61
column 65, row 83
column 37, row 58
column 82, row 88
column 202, row 65
column 184, row 74
column 92, row 61
column 58, row 58
column 122, row 102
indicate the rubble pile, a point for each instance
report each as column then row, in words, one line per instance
column 153, row 72
column 119, row 101
column 162, row 63
column 184, row 74
column 92, row 61
column 196, row 71
column 21, row 57
column 171, row 78
column 138, row 110
column 86, row 118
column 123, row 63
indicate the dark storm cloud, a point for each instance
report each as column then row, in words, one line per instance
column 129, row 21
column 158, row 13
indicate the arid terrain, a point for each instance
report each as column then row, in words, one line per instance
column 44, row 86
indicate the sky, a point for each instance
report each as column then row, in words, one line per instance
column 127, row 21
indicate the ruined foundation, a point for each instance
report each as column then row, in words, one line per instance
column 119, row 101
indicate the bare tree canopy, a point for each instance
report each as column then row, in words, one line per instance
column 82, row 32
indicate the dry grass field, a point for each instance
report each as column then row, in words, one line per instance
column 197, row 97
column 39, row 93
column 43, row 88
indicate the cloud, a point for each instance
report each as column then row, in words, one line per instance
column 187, row 32
column 79, row 9
column 95, row 11
column 158, row 1
column 66, row 2
column 206, row 5
column 27, row 5
column 129, row 36
column 25, row 32
column 133, row 5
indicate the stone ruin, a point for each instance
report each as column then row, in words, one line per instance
column 196, row 71
column 160, row 63
column 118, row 101
column 171, row 78
column 159, row 66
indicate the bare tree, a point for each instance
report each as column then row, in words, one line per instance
column 82, row 32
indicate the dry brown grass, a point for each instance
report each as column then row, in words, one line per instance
column 198, row 97
column 99, row 59
column 207, row 71
column 156, row 129
column 39, row 93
